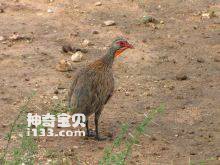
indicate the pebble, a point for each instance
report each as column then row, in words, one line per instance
column 15, row 36
column 61, row 86
column 127, row 93
column 4, row 125
column 27, row 79
column 200, row 60
column 217, row 59
column 2, row 38
column 86, row 43
column 77, row 57
column 66, row 48
column 109, row 23
column 69, row 48
column 147, row 19
column 50, row 10
column 191, row 132
column 63, row 66
column 152, row 138
column 75, row 34
column 56, row 91
column 98, row 4
column 181, row 76
column 55, row 98
column 192, row 153
column 208, row 15
column 164, row 148
column 95, row 32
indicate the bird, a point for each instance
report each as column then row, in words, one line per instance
column 93, row 85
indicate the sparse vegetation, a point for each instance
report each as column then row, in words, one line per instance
column 27, row 147
column 112, row 155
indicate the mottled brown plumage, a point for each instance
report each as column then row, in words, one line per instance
column 93, row 85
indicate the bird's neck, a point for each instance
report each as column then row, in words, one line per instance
column 108, row 58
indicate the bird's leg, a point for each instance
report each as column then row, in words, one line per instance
column 97, row 115
column 89, row 132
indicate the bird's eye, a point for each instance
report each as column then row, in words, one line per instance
column 121, row 43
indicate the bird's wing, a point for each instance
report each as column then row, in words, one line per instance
column 72, row 87
column 111, row 92
column 83, row 91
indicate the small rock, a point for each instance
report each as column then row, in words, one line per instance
column 208, row 15
column 109, row 23
column 66, row 48
column 75, row 34
column 56, row 91
column 98, row 4
column 55, row 98
column 164, row 148
column 2, row 38
column 200, row 60
column 127, row 93
column 149, row 19
column 63, row 66
column 86, row 43
column 15, row 36
column 95, row 32
column 4, row 125
column 181, row 76
column 191, row 132
column 27, row 79
column 77, row 57
column 50, row 10
column 61, row 86
column 192, row 153
column 195, row 27
column 217, row 59
column 152, row 138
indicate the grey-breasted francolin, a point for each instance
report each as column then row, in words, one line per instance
column 93, row 85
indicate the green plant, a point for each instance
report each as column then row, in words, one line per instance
column 119, row 158
column 25, row 152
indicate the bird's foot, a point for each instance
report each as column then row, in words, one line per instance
column 90, row 133
column 101, row 138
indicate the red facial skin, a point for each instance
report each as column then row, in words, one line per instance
column 124, row 45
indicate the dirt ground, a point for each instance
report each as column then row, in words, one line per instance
column 184, row 45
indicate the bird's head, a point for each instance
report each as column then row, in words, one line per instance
column 120, row 44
